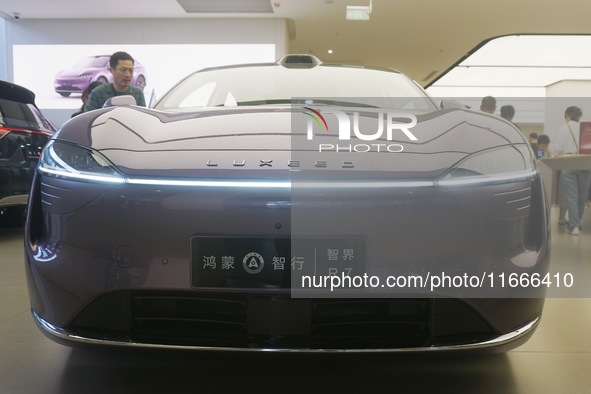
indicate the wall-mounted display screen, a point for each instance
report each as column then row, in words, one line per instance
column 59, row 73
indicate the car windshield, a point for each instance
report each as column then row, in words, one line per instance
column 278, row 85
column 92, row 62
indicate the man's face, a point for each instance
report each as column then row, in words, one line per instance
column 543, row 147
column 122, row 74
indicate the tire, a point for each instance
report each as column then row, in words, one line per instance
column 65, row 94
column 102, row 80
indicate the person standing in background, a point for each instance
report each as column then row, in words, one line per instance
column 121, row 66
column 575, row 182
column 542, row 146
column 508, row 113
column 85, row 95
column 533, row 138
column 488, row 105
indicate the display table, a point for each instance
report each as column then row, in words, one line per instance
column 552, row 166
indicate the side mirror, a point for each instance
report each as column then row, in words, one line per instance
column 119, row 101
column 448, row 103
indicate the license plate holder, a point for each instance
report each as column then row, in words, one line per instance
column 268, row 262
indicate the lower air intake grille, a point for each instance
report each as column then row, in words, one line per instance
column 269, row 321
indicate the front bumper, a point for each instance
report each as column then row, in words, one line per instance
column 498, row 343
column 71, row 85
column 76, row 260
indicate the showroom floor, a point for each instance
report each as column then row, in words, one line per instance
column 556, row 360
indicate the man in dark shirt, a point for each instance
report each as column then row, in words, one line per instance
column 121, row 66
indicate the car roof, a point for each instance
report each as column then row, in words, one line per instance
column 299, row 61
column 11, row 91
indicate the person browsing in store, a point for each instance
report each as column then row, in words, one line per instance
column 121, row 66
column 575, row 182
column 542, row 146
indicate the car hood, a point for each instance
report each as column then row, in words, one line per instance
column 144, row 142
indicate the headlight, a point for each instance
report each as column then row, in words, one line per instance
column 69, row 161
column 503, row 164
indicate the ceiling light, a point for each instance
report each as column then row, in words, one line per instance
column 359, row 12
column 227, row 6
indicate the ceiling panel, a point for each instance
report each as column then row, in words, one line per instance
column 421, row 38
column 226, row 6
column 518, row 65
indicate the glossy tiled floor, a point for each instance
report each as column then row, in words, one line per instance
column 556, row 360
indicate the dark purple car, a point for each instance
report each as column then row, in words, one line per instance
column 289, row 206
column 24, row 131
column 90, row 69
